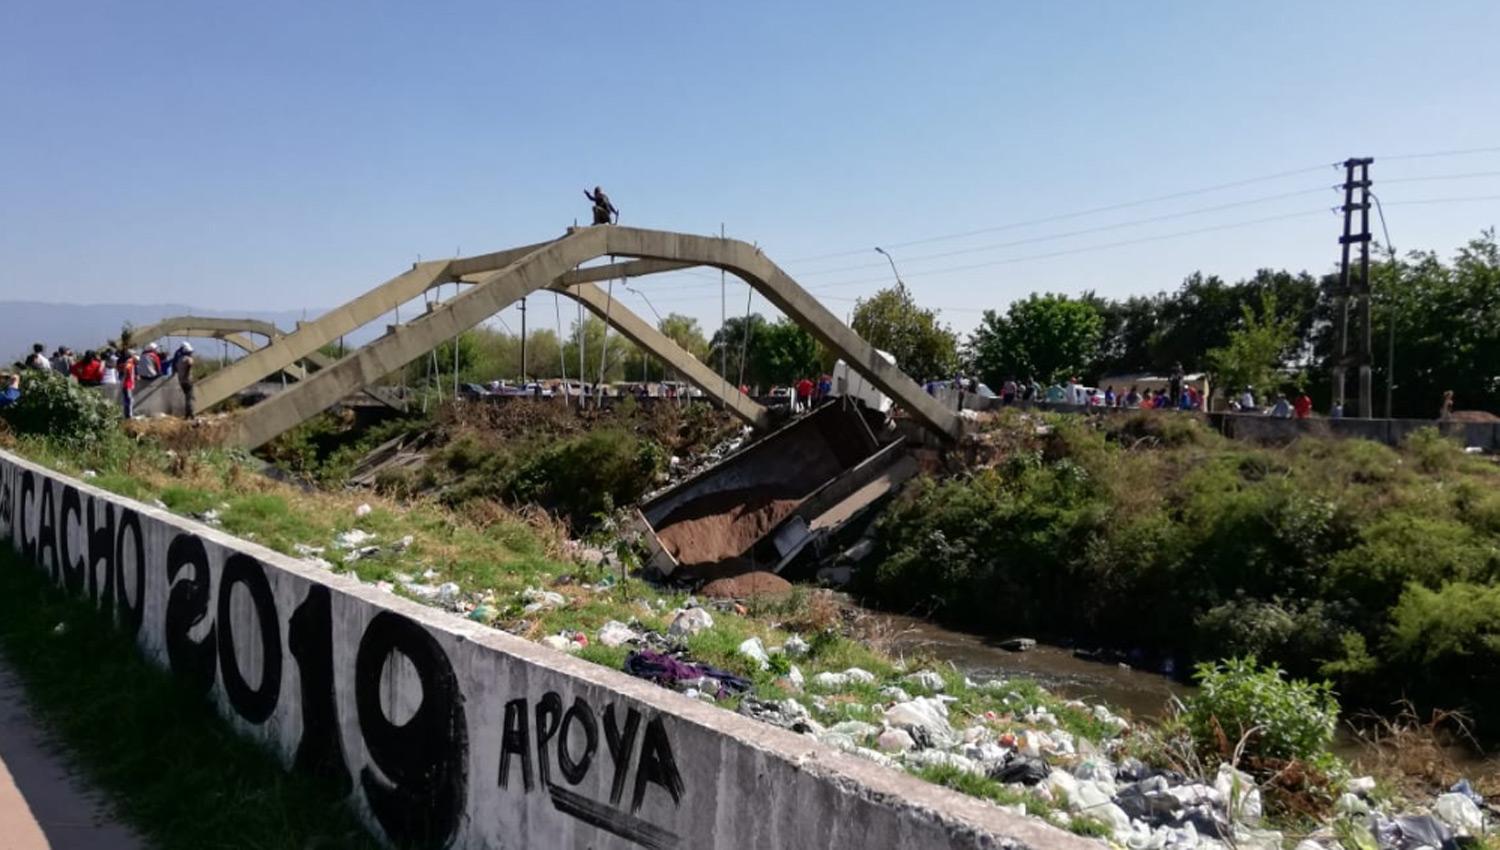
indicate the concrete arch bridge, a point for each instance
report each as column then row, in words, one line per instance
column 497, row 280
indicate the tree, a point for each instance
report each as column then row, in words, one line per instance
column 592, row 334
column 891, row 321
column 684, row 331
column 1447, row 318
column 729, row 341
column 1127, row 329
column 1254, row 354
column 783, row 353
column 1046, row 336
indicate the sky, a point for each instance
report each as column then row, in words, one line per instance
column 290, row 155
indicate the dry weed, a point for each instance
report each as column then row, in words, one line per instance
column 1420, row 755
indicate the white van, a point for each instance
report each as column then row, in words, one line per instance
column 848, row 382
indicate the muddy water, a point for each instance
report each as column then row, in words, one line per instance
column 1143, row 694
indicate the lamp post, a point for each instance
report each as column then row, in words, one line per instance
column 888, row 258
column 644, row 357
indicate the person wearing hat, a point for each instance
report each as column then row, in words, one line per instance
column 184, row 370
column 149, row 366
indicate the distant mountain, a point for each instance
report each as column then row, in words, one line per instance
column 84, row 326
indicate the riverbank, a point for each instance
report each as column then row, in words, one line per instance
column 1375, row 568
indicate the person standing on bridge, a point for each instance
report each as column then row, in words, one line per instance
column 127, row 382
column 804, row 395
column 184, row 370
column 62, row 363
column 603, row 209
column 149, row 365
column 1302, row 407
column 90, row 370
column 36, row 359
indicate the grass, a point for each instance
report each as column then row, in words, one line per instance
column 171, row 767
column 494, row 553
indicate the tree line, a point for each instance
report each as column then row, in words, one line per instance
column 1275, row 330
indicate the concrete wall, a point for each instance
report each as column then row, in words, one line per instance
column 1258, row 427
column 1485, row 435
column 447, row 733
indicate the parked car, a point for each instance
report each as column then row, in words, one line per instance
column 473, row 392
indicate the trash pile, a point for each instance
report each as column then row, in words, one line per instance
column 680, row 468
column 1076, row 779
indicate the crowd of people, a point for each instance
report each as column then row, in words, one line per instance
column 110, row 366
column 1179, row 394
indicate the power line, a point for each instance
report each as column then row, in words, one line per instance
column 1099, row 247
column 1468, row 176
column 1103, row 228
column 1434, row 154
column 1077, row 214
column 1445, row 200
column 1071, row 233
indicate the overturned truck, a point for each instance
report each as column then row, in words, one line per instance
column 780, row 501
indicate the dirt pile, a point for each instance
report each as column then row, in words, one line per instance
column 723, row 525
column 182, row 434
column 746, row 586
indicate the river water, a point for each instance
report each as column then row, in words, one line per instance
column 1144, row 694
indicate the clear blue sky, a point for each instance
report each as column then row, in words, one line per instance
column 291, row 154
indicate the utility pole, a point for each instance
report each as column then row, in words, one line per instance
column 523, row 343
column 1358, row 291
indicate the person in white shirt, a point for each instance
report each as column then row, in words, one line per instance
column 38, row 360
column 1247, row 400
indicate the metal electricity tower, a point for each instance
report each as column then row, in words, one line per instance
column 1355, row 290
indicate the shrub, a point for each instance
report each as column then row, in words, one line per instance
column 1449, row 641
column 588, row 475
column 1145, row 428
column 1433, row 452
column 1402, row 547
column 58, row 407
column 1276, row 717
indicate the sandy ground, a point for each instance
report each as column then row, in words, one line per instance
column 44, row 804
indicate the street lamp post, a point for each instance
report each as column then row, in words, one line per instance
column 644, row 357
column 888, row 258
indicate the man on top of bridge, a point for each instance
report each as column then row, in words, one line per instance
column 603, row 209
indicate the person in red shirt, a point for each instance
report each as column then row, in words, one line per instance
column 804, row 394
column 127, row 382
column 90, row 370
column 1302, row 407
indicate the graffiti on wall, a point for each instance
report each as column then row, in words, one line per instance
column 413, row 776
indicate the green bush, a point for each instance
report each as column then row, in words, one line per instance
column 1433, row 452
column 59, row 408
column 1276, row 717
column 962, row 545
column 1449, row 641
column 588, row 475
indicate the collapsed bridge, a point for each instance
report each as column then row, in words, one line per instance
column 495, row 281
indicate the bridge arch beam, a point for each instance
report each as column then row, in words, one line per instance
column 548, row 264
